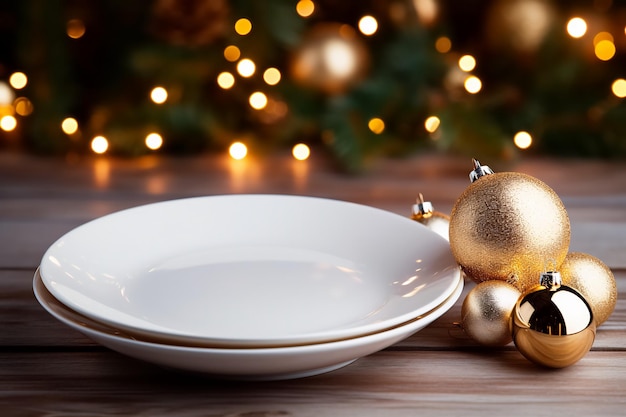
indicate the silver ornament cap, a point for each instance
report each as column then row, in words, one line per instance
column 479, row 171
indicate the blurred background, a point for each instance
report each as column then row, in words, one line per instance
column 353, row 80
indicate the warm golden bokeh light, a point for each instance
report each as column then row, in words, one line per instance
column 576, row 27
column 225, row 80
column 368, row 25
column 8, row 123
column 301, row 152
column 473, row 84
column 246, row 67
column 238, row 151
column 158, row 95
column 523, row 140
column 154, row 141
column 23, row 106
column 75, row 28
column 99, row 144
column 258, row 100
column 376, row 125
column 443, row 44
column 18, row 80
column 69, row 126
column 272, row 76
column 605, row 50
column 305, row 8
column 467, row 63
column 6, row 94
column 232, row 53
column 602, row 36
column 243, row 26
column 431, row 124
column 619, row 88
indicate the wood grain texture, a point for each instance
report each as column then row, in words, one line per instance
column 49, row 369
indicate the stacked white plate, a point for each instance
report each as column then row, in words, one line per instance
column 249, row 286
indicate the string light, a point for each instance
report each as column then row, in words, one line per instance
column 75, row 28
column 238, row 151
column 605, row 50
column 18, row 80
column 272, row 76
column 473, row 84
column 467, row 63
column 376, row 125
column 443, row 44
column 368, row 25
column 619, row 88
column 69, row 126
column 158, row 95
column 23, row 106
column 301, row 152
column 225, row 80
column 305, row 8
column 576, row 27
column 232, row 53
column 258, row 100
column 8, row 123
column 243, row 26
column 431, row 124
column 154, row 141
column 99, row 144
column 6, row 94
column 246, row 67
column 522, row 140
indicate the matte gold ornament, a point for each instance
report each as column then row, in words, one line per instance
column 424, row 213
column 486, row 312
column 507, row 226
column 553, row 324
column 594, row 280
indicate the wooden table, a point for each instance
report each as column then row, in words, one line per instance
column 49, row 369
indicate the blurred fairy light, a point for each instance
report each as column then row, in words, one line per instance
column 619, row 88
column 301, row 152
column 158, row 95
column 426, row 10
column 602, row 36
column 305, row 8
column 443, row 44
column 225, row 80
column 523, row 140
column 258, row 100
column 18, row 80
column 69, row 126
column 272, row 76
column 473, row 84
column 154, row 141
column 243, row 26
column 8, row 123
column 376, row 125
column 246, row 67
column 23, row 106
column 467, row 63
column 75, row 28
column 368, row 25
column 232, row 53
column 238, row 151
column 577, row 27
column 6, row 94
column 99, row 144
column 431, row 124
column 605, row 50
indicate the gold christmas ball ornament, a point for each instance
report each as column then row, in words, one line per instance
column 486, row 312
column 553, row 324
column 507, row 226
column 594, row 280
column 424, row 213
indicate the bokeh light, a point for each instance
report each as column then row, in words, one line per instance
column 232, row 53
column 238, row 150
column 272, row 76
column 301, row 152
column 473, row 84
column 523, row 140
column 467, row 63
column 443, row 44
column 368, row 25
column 23, row 106
column 246, row 67
column 8, row 123
column 154, row 141
column 243, row 26
column 75, row 28
column 99, row 144
column 18, row 80
column 576, row 27
column 69, row 126
column 605, row 50
column 431, row 124
column 258, row 100
column 376, row 125
column 305, row 8
column 158, row 95
column 225, row 80
column 619, row 88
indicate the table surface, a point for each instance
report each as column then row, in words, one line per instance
column 47, row 368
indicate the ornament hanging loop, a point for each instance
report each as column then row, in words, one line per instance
column 479, row 171
column 422, row 209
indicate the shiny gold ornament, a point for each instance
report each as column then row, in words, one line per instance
column 508, row 226
column 424, row 213
column 594, row 280
column 553, row 324
column 486, row 312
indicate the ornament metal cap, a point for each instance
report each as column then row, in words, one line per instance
column 551, row 280
column 479, row 171
column 422, row 209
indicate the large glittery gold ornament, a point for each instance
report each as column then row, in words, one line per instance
column 486, row 312
column 436, row 221
column 594, row 280
column 553, row 324
column 508, row 226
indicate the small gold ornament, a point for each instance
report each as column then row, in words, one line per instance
column 424, row 213
column 594, row 280
column 553, row 324
column 486, row 312
column 505, row 226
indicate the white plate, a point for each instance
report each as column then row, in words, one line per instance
column 251, row 270
column 251, row 363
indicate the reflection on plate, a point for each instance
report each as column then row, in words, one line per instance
column 251, row 270
column 249, row 363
